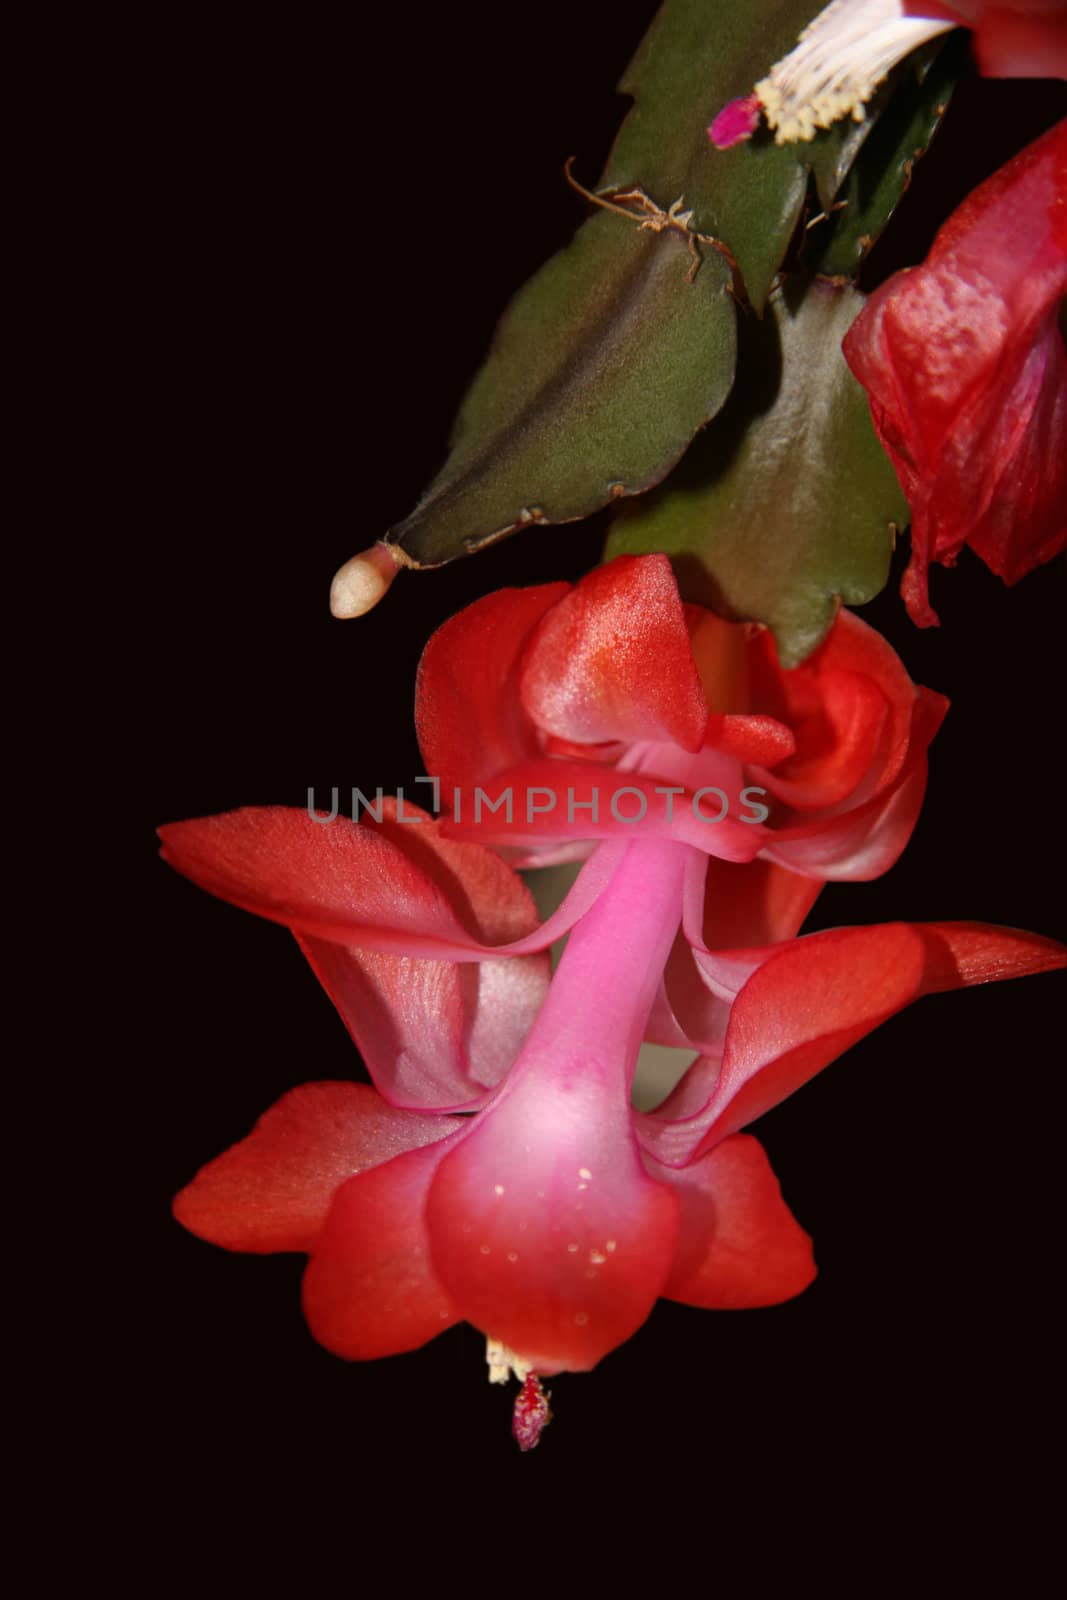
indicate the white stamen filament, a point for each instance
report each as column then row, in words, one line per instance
column 502, row 1362
column 839, row 61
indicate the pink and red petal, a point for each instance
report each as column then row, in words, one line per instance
column 739, row 1245
column 273, row 1190
column 370, row 1289
column 547, row 1231
column 611, row 661
column 575, row 800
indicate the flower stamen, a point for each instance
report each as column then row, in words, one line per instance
column 838, row 62
column 833, row 70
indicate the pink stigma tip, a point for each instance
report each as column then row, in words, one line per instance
column 531, row 1415
column 736, row 122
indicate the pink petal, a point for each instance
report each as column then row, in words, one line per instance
column 739, row 1245
column 470, row 721
column 370, row 1289
column 272, row 1191
column 555, row 799
column 612, row 660
column 546, row 1229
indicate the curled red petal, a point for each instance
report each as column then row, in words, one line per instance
column 611, row 661
column 806, row 1002
column 851, row 709
column 755, row 903
column 370, row 1289
column 759, row 739
column 272, row 1191
column 434, row 1034
column 470, row 720
column 864, row 840
column 739, row 1245
column 400, row 886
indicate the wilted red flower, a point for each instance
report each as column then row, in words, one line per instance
column 964, row 365
column 554, row 1215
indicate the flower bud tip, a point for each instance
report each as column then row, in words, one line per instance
column 361, row 582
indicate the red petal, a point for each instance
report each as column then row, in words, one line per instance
column 369, row 1288
column 739, row 1245
column 1011, row 44
column 434, row 1034
column 469, row 717
column 763, row 740
column 272, row 1191
column 808, row 1001
column 865, row 840
column 962, row 954
column 398, row 886
column 966, row 374
column 850, row 707
column 754, row 903
column 612, row 660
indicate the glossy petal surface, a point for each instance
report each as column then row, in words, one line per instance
column 739, row 1245
column 273, row 1190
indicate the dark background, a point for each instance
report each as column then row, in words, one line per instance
column 328, row 222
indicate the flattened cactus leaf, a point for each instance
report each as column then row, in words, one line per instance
column 616, row 353
column 601, row 371
column 787, row 503
column 911, row 115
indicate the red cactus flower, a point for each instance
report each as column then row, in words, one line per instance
column 554, row 1216
column 964, row 365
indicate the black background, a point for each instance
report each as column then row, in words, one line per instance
column 328, row 221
